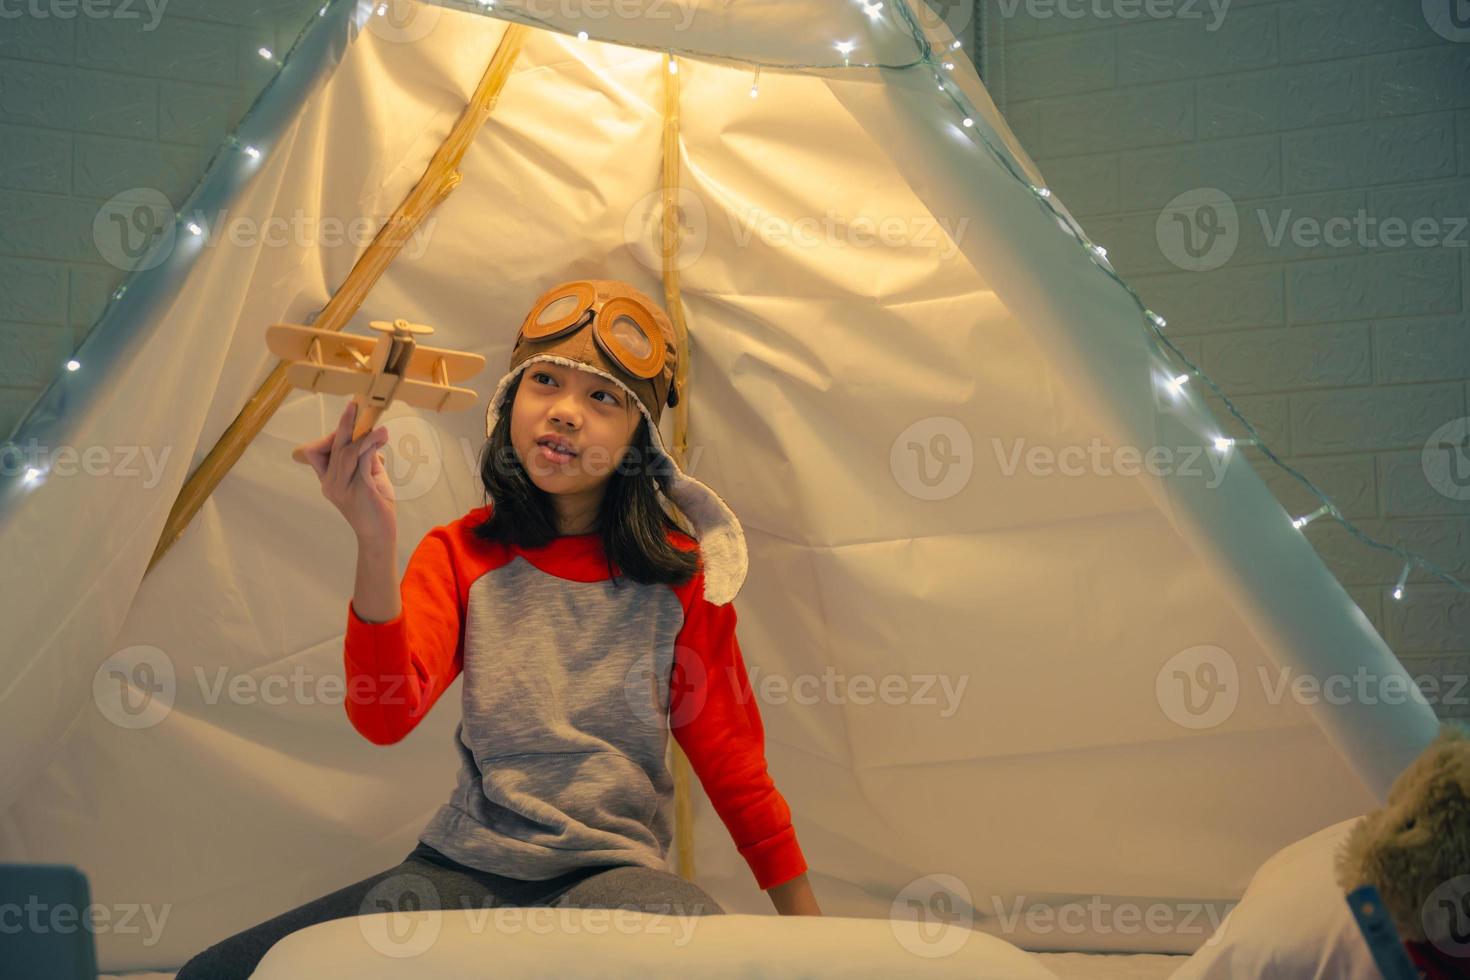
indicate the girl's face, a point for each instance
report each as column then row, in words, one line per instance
column 586, row 411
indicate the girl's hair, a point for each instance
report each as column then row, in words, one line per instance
column 631, row 519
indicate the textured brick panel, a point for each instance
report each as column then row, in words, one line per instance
column 34, row 291
column 1391, row 282
column 1166, row 50
column 1346, row 480
column 1397, row 417
column 1117, row 120
column 1058, row 66
column 1419, row 81
column 32, row 38
column 86, row 101
column 33, row 353
column 1436, row 349
column 1286, row 358
column 1363, row 154
column 45, row 227
column 1430, row 619
column 1243, row 168
column 1318, row 30
column 1086, row 184
column 1194, row 302
column 35, row 160
column 107, row 166
column 1267, row 414
column 178, row 49
column 1406, row 490
column 1444, row 679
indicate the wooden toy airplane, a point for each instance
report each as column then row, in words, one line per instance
column 374, row 371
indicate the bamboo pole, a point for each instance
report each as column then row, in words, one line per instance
column 440, row 178
column 669, row 246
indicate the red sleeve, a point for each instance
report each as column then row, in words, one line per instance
column 714, row 718
column 397, row 670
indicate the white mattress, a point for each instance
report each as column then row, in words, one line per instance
column 1067, row 966
column 1110, row 966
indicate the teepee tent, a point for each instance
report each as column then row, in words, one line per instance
column 992, row 657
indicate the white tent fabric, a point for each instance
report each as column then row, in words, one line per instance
column 1029, row 622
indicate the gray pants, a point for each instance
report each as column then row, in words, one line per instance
column 427, row 879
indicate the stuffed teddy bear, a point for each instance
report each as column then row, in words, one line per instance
column 1416, row 852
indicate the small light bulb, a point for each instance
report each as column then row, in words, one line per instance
column 194, row 228
column 954, row 45
column 32, row 474
column 949, row 65
column 323, row 11
column 1223, row 443
column 1177, row 382
column 969, row 122
column 266, row 52
column 1159, row 321
column 252, row 153
column 845, row 47
column 73, row 364
column 1101, row 252
column 754, row 91
column 673, row 67
column 1398, row 589
column 581, row 35
column 1302, row 522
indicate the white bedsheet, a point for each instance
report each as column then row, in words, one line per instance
column 1111, row 966
column 1067, row 966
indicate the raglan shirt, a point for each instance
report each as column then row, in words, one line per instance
column 572, row 683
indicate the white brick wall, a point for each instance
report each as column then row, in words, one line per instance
column 133, row 96
column 1345, row 355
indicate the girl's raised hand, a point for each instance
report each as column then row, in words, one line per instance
column 357, row 487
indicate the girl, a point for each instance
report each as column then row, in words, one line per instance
column 588, row 627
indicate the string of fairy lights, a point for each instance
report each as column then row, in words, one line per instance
column 900, row 17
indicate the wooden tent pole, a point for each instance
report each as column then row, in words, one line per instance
column 439, row 179
column 669, row 246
